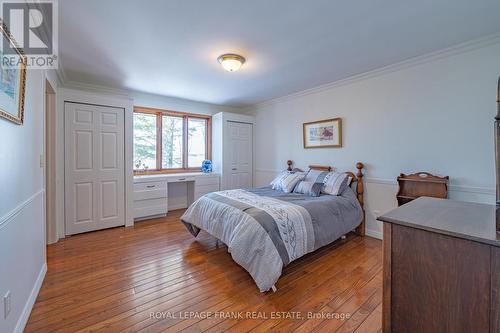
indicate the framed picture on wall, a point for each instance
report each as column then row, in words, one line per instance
column 323, row 133
column 12, row 80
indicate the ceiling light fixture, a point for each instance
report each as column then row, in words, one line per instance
column 231, row 62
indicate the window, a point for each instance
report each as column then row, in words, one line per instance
column 166, row 141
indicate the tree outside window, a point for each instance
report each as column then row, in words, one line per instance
column 166, row 141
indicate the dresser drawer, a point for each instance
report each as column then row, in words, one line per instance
column 150, row 190
column 207, row 180
column 145, row 208
column 204, row 189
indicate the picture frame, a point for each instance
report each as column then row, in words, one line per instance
column 325, row 133
column 12, row 82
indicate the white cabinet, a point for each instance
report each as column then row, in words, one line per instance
column 150, row 199
column 232, row 149
column 151, row 192
column 205, row 184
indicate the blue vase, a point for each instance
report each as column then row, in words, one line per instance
column 206, row 166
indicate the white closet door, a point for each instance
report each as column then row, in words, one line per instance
column 240, row 155
column 94, row 167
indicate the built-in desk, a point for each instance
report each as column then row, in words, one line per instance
column 151, row 191
column 441, row 267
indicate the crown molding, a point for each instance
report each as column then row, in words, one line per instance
column 415, row 61
column 129, row 93
column 95, row 87
column 411, row 62
column 61, row 74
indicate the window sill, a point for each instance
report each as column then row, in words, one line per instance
column 166, row 172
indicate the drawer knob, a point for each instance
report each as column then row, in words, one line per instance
column 181, row 179
column 150, row 186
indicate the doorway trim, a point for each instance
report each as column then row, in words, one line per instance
column 49, row 160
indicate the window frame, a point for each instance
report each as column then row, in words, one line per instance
column 159, row 144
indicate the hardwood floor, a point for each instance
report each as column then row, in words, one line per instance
column 155, row 277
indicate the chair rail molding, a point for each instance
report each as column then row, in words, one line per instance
column 490, row 191
column 5, row 219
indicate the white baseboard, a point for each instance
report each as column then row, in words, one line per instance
column 177, row 206
column 374, row 234
column 23, row 319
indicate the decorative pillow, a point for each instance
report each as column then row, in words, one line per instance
column 286, row 181
column 312, row 184
column 276, row 181
column 335, row 183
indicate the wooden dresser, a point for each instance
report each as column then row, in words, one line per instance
column 441, row 267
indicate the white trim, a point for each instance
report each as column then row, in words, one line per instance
column 179, row 102
column 411, row 62
column 451, row 187
column 374, row 234
column 51, row 78
column 177, row 206
column 96, row 88
column 473, row 189
column 415, row 61
column 4, row 220
column 381, row 181
column 61, row 74
column 23, row 319
column 269, row 170
column 390, row 182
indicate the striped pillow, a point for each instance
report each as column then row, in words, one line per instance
column 312, row 184
column 335, row 183
column 286, row 181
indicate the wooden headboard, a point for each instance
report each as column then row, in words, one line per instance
column 356, row 178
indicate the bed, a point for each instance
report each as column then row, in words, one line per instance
column 265, row 229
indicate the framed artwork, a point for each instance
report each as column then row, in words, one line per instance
column 12, row 82
column 323, row 133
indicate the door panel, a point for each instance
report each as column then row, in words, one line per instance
column 83, row 150
column 95, row 169
column 240, row 155
column 109, row 149
column 109, row 207
column 83, row 195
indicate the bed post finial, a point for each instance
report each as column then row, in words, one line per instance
column 359, row 193
column 289, row 162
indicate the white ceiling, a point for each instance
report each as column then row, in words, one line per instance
column 170, row 47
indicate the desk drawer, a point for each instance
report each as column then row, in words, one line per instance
column 150, row 186
column 150, row 190
column 180, row 179
column 207, row 180
column 144, row 208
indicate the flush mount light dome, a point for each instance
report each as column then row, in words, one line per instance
column 231, row 62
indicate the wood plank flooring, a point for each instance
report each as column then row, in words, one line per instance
column 155, row 277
